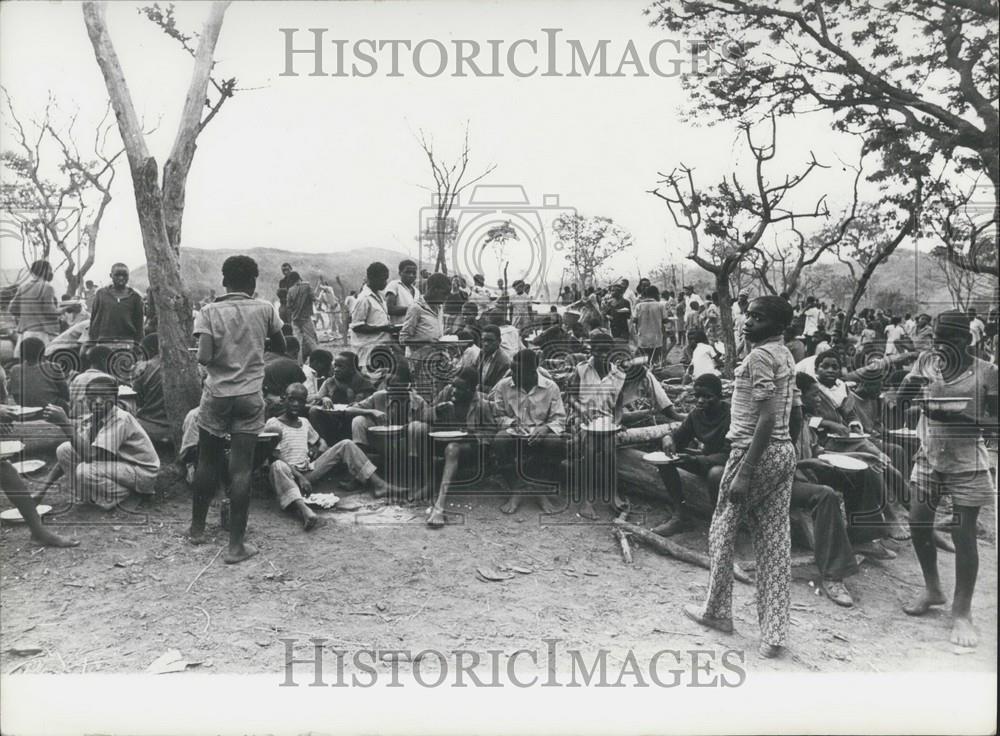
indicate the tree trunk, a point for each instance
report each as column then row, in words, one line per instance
column 173, row 308
column 726, row 321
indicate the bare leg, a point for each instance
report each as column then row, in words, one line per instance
column 16, row 491
column 922, row 531
column 211, row 451
column 452, row 454
column 240, row 466
column 309, row 519
column 963, row 532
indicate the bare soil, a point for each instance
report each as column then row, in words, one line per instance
column 379, row 578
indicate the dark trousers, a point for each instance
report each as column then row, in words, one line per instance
column 331, row 427
column 697, row 465
column 832, row 548
column 517, row 460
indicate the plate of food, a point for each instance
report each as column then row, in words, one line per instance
column 26, row 467
column 126, row 392
column 946, row 403
column 26, row 412
column 858, row 435
column 660, row 458
column 903, row 432
column 448, row 338
column 518, row 431
column 13, row 516
column 387, row 428
column 10, row 447
column 336, row 407
column 267, row 436
column 601, row 425
column 322, row 500
column 456, row 434
column 844, row 462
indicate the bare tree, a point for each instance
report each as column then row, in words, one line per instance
column 589, row 242
column 964, row 221
column 733, row 219
column 449, row 183
column 160, row 206
column 64, row 214
column 872, row 237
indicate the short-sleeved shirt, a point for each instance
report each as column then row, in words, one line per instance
column 649, row 317
column 238, row 326
column 123, row 437
column 370, row 310
column 422, row 323
column 300, row 301
column 703, row 360
column 293, row 447
column 768, row 372
column 956, row 448
column 596, row 394
column 404, row 297
column 644, row 394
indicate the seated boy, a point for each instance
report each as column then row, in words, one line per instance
column 292, row 474
column 707, row 424
column 108, row 455
column 317, row 369
column 346, row 385
column 459, row 406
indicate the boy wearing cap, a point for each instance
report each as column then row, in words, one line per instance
column 108, row 456
column 953, row 460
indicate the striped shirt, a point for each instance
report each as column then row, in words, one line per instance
column 768, row 372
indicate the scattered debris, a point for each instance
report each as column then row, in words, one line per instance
column 169, row 661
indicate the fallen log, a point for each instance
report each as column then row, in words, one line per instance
column 672, row 549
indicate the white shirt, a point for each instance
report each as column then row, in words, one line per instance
column 369, row 309
column 404, row 297
column 978, row 329
column 703, row 360
column 807, row 365
column 812, row 321
column 510, row 340
column 892, row 333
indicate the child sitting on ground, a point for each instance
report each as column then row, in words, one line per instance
column 293, row 475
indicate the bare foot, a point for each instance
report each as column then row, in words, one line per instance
column 900, row 532
column 619, row 503
column 238, row 553
column 963, row 633
column 587, row 511
column 674, row 525
column 694, row 613
column 48, row 539
column 197, row 536
column 436, row 520
column 923, row 603
column 513, row 503
column 769, row 651
column 550, row 504
column 310, row 520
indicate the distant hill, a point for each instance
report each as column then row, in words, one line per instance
column 201, row 270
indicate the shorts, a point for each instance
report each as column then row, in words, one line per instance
column 972, row 488
column 222, row 415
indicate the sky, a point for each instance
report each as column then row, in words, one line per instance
column 331, row 163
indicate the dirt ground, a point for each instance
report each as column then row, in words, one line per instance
column 379, row 578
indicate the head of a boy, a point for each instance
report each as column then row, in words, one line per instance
column 296, row 396
column 707, row 392
column 239, row 273
column 828, row 368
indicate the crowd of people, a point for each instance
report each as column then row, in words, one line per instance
column 427, row 386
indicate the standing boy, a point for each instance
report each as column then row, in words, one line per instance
column 231, row 333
